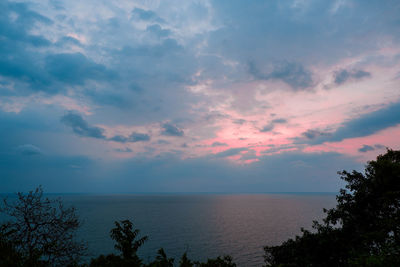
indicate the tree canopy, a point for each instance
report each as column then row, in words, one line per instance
column 127, row 242
column 39, row 232
column 362, row 230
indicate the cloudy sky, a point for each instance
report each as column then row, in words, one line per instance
column 195, row 96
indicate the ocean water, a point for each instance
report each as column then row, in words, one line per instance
column 203, row 225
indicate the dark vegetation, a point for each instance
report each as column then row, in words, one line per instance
column 40, row 232
column 362, row 230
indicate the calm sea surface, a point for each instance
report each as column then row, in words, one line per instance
column 203, row 225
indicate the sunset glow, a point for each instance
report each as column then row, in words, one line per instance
column 132, row 96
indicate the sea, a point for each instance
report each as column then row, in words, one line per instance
column 202, row 225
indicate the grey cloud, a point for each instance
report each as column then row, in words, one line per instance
column 230, row 152
column 294, row 74
column 361, row 74
column 279, row 29
column 168, row 47
column 75, row 68
column 270, row 126
column 146, row 15
column 17, row 61
column 366, row 148
column 165, row 173
column 267, row 128
column 312, row 134
column 123, row 150
column 28, row 150
column 157, row 84
column 147, row 83
column 23, row 69
column 297, row 34
column 169, row 173
column 134, row 137
column 69, row 68
column 136, row 88
column 280, row 120
column 81, row 127
column 274, row 149
column 57, row 4
column 239, row 121
column 364, row 125
column 119, row 139
column 342, row 76
column 68, row 40
column 39, row 70
column 251, row 154
column 171, row 130
column 369, row 123
column 215, row 144
column 110, row 98
column 19, row 29
column 60, row 173
column 157, row 30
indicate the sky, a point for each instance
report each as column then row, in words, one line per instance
column 125, row 96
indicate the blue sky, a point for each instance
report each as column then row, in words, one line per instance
column 195, row 96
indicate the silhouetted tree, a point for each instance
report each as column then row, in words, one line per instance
column 362, row 230
column 162, row 260
column 110, row 260
column 225, row 261
column 125, row 237
column 39, row 231
column 8, row 253
column 185, row 261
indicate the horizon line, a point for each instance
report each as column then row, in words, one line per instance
column 178, row 193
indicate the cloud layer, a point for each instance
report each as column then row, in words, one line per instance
column 187, row 93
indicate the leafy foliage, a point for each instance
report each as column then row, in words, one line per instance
column 162, row 260
column 225, row 261
column 8, row 253
column 40, row 231
column 362, row 230
column 125, row 238
column 185, row 261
